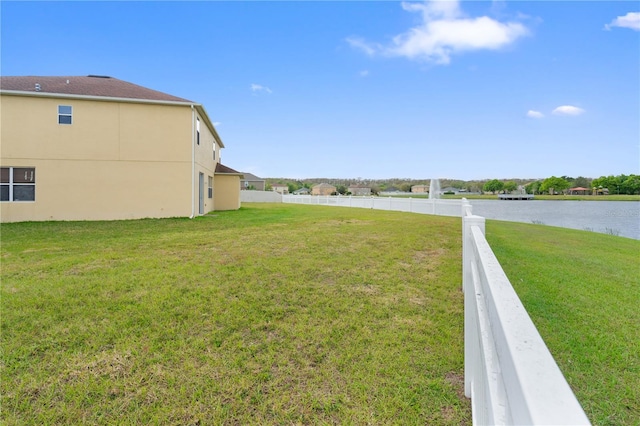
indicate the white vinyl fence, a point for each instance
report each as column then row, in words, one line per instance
column 414, row 205
column 510, row 375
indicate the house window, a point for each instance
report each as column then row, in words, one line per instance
column 65, row 113
column 18, row 184
column 210, row 186
column 198, row 131
column 214, row 150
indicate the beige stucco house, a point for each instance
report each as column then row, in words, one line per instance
column 99, row 148
column 359, row 190
column 420, row 189
column 323, row 189
column 280, row 188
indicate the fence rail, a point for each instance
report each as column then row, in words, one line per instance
column 414, row 205
column 510, row 375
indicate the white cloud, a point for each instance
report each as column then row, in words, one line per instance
column 444, row 31
column 630, row 20
column 568, row 110
column 534, row 114
column 216, row 123
column 364, row 73
column 257, row 88
column 360, row 44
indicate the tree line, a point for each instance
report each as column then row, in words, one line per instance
column 620, row 184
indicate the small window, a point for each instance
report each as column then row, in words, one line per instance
column 214, row 150
column 198, row 131
column 18, row 184
column 65, row 112
column 210, row 187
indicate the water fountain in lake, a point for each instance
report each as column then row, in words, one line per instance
column 434, row 189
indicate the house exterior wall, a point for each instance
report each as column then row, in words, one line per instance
column 117, row 160
column 323, row 189
column 259, row 185
column 359, row 191
column 280, row 189
column 227, row 192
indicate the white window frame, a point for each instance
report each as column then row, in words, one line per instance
column 197, row 131
column 11, row 184
column 61, row 114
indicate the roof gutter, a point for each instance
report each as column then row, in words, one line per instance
column 92, row 97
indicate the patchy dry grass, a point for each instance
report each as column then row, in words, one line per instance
column 274, row 314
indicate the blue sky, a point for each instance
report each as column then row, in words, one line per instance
column 464, row 90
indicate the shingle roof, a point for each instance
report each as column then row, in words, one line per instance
column 221, row 168
column 249, row 176
column 87, row 86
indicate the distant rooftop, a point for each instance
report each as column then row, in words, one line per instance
column 91, row 85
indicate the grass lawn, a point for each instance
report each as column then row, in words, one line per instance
column 612, row 197
column 273, row 314
column 582, row 291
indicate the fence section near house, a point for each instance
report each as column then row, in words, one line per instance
column 510, row 375
column 413, row 205
column 249, row 196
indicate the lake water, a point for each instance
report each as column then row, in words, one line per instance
column 610, row 217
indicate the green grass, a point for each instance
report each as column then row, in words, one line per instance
column 273, row 314
column 582, row 290
column 536, row 197
column 612, row 197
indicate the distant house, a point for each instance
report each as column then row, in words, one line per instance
column 302, row 191
column 280, row 188
column 420, row 189
column 99, row 148
column 251, row 181
column 359, row 190
column 323, row 189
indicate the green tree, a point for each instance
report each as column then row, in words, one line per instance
column 554, row 184
column 341, row 189
column 582, row 182
column 533, row 187
column 631, row 185
column 510, row 186
column 493, row 186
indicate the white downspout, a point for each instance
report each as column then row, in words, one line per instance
column 193, row 164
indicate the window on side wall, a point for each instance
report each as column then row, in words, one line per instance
column 18, row 184
column 210, row 186
column 198, row 131
column 65, row 114
column 214, row 150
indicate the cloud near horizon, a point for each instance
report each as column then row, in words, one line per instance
column 444, row 31
column 257, row 88
column 568, row 110
column 534, row 114
column 631, row 20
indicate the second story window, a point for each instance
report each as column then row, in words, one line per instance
column 65, row 113
column 198, row 131
column 214, row 150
